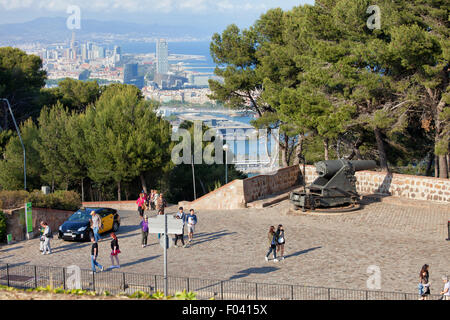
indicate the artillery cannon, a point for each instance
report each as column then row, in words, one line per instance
column 335, row 186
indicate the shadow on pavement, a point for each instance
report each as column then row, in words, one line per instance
column 249, row 271
column 207, row 237
column 10, row 249
column 139, row 261
column 301, row 252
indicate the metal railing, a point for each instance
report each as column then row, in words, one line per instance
column 115, row 282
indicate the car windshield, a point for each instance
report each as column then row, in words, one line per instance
column 80, row 215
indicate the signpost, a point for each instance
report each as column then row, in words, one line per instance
column 28, row 220
column 165, row 225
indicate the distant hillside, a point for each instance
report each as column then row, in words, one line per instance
column 55, row 30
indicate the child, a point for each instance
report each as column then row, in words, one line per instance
column 114, row 250
column 144, row 231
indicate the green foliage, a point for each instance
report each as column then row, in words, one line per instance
column 2, row 226
column 21, row 78
column 62, row 200
column 11, row 166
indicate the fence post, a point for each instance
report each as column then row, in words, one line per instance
column 124, row 284
column 256, row 291
column 7, row 274
column 221, row 290
column 367, row 295
column 64, row 278
column 329, row 294
column 93, row 281
column 187, row 286
column 35, row 277
column 292, row 292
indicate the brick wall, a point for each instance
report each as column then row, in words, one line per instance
column 15, row 221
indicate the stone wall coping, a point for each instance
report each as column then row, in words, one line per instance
column 270, row 175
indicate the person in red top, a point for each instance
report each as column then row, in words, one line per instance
column 141, row 203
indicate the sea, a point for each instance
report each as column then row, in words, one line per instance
column 200, row 48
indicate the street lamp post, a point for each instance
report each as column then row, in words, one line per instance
column 23, row 147
column 225, row 148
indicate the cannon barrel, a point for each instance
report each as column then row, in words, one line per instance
column 329, row 168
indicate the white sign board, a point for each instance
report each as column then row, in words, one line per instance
column 156, row 225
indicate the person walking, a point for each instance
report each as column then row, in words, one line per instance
column 47, row 236
column 94, row 255
column 141, row 203
column 96, row 225
column 144, row 231
column 446, row 292
column 272, row 237
column 152, row 200
column 180, row 215
column 424, row 282
column 192, row 220
column 161, row 204
column 41, row 238
column 281, row 240
column 114, row 251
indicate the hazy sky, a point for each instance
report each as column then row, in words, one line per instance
column 163, row 12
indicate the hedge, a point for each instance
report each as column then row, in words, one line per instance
column 62, row 200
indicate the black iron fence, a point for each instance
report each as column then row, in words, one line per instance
column 115, row 282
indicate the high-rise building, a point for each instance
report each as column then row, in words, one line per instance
column 130, row 72
column 117, row 53
column 162, row 56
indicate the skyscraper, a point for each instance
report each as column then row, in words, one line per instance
column 162, row 57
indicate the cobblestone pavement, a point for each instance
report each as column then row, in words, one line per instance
column 328, row 251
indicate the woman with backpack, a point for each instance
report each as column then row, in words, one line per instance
column 114, row 251
column 280, row 240
column 424, row 282
column 272, row 237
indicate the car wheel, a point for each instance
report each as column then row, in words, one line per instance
column 115, row 226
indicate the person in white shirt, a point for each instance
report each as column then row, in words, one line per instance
column 446, row 291
column 47, row 236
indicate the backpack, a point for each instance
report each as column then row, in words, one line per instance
column 50, row 233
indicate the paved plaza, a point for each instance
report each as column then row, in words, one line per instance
column 321, row 250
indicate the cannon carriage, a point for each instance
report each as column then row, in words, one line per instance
column 334, row 187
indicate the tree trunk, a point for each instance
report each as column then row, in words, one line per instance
column 325, row 148
column 91, row 191
column 436, row 166
column 299, row 150
column 118, row 191
column 144, row 185
column 429, row 164
column 82, row 190
column 443, row 170
column 381, row 150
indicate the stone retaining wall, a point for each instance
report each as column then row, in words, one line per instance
column 400, row 185
column 263, row 185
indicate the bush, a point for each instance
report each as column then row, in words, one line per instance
column 62, row 200
column 2, row 227
column 13, row 199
